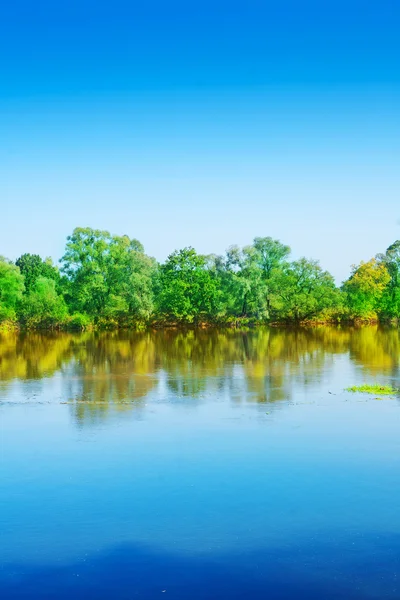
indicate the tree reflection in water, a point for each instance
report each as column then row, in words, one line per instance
column 109, row 371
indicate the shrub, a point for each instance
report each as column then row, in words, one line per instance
column 79, row 322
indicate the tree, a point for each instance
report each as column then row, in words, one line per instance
column 188, row 287
column 108, row 277
column 225, row 272
column 11, row 289
column 271, row 255
column 390, row 302
column 43, row 307
column 245, row 282
column 365, row 287
column 249, row 278
column 271, row 258
column 32, row 267
column 305, row 291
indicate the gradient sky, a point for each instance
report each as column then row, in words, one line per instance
column 202, row 123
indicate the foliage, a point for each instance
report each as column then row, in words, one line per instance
column 11, row 289
column 108, row 277
column 242, row 284
column 382, row 390
column 365, row 289
column 390, row 302
column 42, row 306
column 305, row 291
column 32, row 267
column 249, row 278
column 78, row 322
column 108, row 281
column 188, row 288
column 270, row 256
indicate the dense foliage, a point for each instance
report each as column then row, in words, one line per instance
column 108, row 277
column 106, row 280
column 11, row 289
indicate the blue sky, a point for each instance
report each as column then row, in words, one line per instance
column 202, row 124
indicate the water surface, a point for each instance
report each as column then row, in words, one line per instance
column 207, row 464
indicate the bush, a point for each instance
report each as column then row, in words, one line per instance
column 78, row 322
column 43, row 308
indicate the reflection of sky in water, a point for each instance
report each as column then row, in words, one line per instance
column 203, row 448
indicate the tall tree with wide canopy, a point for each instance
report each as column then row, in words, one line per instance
column 189, row 290
column 305, row 290
column 249, row 278
column 271, row 256
column 108, row 276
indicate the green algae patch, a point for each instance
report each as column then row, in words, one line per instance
column 381, row 390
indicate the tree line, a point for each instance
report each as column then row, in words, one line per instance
column 108, row 281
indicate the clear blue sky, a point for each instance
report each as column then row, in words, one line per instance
column 203, row 124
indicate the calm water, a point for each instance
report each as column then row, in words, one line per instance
column 194, row 465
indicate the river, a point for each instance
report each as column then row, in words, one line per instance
column 200, row 465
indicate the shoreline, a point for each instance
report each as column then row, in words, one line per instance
column 202, row 326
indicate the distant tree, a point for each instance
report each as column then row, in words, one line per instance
column 365, row 288
column 42, row 306
column 305, row 291
column 108, row 277
column 390, row 302
column 271, row 254
column 109, row 280
column 188, row 288
column 32, row 266
column 225, row 273
column 249, row 278
column 245, row 283
column 11, row 289
column 271, row 258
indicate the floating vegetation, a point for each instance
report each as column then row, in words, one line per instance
column 382, row 390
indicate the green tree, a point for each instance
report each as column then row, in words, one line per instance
column 249, row 278
column 11, row 289
column 245, row 287
column 225, row 273
column 305, row 291
column 32, row 267
column 42, row 306
column 108, row 277
column 271, row 256
column 365, row 288
column 188, row 288
column 390, row 302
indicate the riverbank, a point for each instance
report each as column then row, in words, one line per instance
column 239, row 324
column 108, row 282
